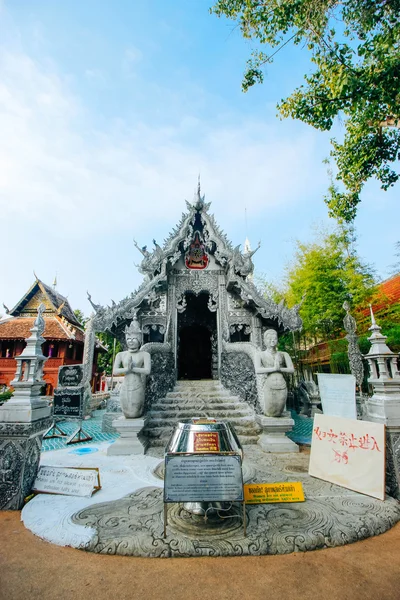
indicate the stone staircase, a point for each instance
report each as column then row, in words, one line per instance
column 198, row 398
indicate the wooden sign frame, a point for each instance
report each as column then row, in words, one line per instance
column 96, row 488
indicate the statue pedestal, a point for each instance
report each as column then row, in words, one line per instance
column 112, row 413
column 20, row 446
column 273, row 438
column 128, row 442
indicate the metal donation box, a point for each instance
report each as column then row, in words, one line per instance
column 203, row 468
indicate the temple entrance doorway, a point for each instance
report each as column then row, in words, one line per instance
column 197, row 339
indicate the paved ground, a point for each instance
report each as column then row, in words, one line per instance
column 301, row 434
column 33, row 569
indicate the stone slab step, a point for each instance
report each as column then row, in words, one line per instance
column 190, row 414
column 159, row 421
column 198, row 399
column 199, row 393
column 211, row 408
column 184, row 400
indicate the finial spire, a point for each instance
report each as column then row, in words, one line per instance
column 198, row 201
column 55, row 281
column 374, row 326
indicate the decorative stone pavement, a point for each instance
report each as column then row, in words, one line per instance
column 302, row 430
column 126, row 516
column 92, row 427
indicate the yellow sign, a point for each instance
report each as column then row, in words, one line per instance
column 261, row 493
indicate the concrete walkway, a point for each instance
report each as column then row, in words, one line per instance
column 33, row 569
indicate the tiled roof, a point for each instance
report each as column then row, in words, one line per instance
column 19, row 328
column 57, row 300
column 391, row 289
column 390, row 295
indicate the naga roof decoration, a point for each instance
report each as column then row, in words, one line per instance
column 155, row 266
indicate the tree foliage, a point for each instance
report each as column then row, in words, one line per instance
column 355, row 49
column 80, row 317
column 105, row 360
column 325, row 273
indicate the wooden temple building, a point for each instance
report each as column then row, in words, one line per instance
column 63, row 333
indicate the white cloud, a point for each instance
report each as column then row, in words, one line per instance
column 54, row 158
column 65, row 178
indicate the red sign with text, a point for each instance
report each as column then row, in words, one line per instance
column 205, row 441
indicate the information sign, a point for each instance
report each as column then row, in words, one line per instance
column 69, row 481
column 68, row 402
column 338, row 395
column 202, row 478
column 264, row 493
column 349, row 453
column 70, row 375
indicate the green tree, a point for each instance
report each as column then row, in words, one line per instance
column 325, row 273
column 80, row 316
column 355, row 48
column 105, row 360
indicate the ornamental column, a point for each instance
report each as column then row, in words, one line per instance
column 23, row 421
column 384, row 405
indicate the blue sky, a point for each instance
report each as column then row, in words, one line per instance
column 108, row 112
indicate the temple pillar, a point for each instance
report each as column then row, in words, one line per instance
column 384, row 405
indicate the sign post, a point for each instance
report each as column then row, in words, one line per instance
column 69, row 403
column 199, row 477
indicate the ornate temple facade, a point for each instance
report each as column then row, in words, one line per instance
column 201, row 315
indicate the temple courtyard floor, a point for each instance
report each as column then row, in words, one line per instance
column 125, row 518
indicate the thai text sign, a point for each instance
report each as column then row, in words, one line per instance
column 264, row 493
column 202, row 478
column 338, row 395
column 349, row 453
column 68, row 403
column 68, row 481
column 206, row 441
column 70, row 375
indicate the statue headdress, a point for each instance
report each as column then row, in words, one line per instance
column 134, row 330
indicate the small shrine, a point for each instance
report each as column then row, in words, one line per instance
column 200, row 314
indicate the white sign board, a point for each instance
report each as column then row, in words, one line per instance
column 338, row 395
column 67, row 481
column 349, row 453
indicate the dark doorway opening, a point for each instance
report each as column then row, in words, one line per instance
column 197, row 335
column 194, row 353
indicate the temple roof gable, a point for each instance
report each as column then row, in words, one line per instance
column 197, row 232
column 55, row 302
